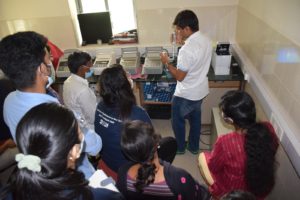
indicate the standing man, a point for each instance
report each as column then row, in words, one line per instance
column 76, row 92
column 24, row 61
column 192, row 83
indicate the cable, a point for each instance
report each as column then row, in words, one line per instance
column 204, row 142
column 206, row 132
column 204, row 149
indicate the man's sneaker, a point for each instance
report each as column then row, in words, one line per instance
column 195, row 152
column 180, row 152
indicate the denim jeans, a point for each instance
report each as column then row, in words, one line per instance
column 191, row 110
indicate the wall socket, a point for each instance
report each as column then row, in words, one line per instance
column 247, row 77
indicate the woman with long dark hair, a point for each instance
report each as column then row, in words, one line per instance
column 148, row 177
column 50, row 142
column 118, row 105
column 115, row 89
column 245, row 158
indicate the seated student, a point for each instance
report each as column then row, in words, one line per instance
column 76, row 92
column 119, row 105
column 147, row 177
column 50, row 142
column 245, row 158
column 24, row 61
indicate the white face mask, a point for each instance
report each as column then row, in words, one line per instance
column 51, row 76
column 50, row 81
column 52, row 71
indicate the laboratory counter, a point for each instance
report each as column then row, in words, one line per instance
column 155, row 92
column 235, row 79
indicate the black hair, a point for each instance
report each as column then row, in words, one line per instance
column 260, row 143
column 20, row 56
column 239, row 106
column 116, row 90
column 139, row 143
column 49, row 131
column 239, row 195
column 78, row 59
column 187, row 18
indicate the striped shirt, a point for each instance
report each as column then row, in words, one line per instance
column 154, row 189
column 227, row 164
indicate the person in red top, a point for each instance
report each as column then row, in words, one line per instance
column 56, row 53
column 245, row 158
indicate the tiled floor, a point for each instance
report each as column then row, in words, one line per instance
column 186, row 161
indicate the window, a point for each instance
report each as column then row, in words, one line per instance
column 121, row 12
column 91, row 6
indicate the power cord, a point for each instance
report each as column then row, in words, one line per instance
column 206, row 132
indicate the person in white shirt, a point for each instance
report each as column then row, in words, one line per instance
column 76, row 92
column 192, row 83
column 25, row 62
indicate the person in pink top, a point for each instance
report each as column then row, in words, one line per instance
column 245, row 158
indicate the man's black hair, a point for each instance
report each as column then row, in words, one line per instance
column 187, row 18
column 20, row 56
column 77, row 59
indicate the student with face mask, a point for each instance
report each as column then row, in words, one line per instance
column 76, row 92
column 50, row 145
column 24, row 60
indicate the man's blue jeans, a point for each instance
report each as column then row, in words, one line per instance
column 191, row 110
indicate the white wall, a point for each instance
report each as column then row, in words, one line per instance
column 282, row 15
column 268, row 36
column 49, row 17
column 16, row 9
column 217, row 19
column 57, row 19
